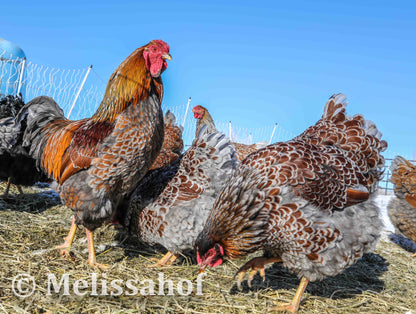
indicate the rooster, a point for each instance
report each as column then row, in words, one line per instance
column 204, row 118
column 170, row 205
column 402, row 208
column 304, row 202
column 172, row 143
column 16, row 165
column 98, row 161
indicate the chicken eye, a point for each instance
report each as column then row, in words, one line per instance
column 154, row 49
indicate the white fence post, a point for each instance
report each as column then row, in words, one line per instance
column 229, row 130
column 274, row 129
column 21, row 76
column 186, row 112
column 79, row 90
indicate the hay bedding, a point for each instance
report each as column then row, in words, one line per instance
column 30, row 226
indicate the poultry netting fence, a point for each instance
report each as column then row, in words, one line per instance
column 385, row 185
column 246, row 135
column 66, row 86
column 79, row 92
column 11, row 71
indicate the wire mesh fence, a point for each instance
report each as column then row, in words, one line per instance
column 11, row 70
column 90, row 95
column 80, row 91
column 237, row 133
column 385, row 186
column 66, row 86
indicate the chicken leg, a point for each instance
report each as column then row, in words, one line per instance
column 166, row 260
column 294, row 305
column 5, row 195
column 64, row 249
column 66, row 246
column 91, row 251
column 19, row 188
column 257, row 266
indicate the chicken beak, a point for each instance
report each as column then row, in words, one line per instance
column 167, row 56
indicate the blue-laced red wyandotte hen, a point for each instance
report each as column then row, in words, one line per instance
column 98, row 161
column 304, row 202
column 16, row 165
column 402, row 208
column 171, row 204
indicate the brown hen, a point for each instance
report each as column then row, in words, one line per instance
column 402, row 208
column 303, row 202
column 98, row 161
column 172, row 143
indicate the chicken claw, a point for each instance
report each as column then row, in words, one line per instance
column 66, row 246
column 257, row 266
column 64, row 251
column 293, row 306
column 168, row 259
column 98, row 265
column 284, row 307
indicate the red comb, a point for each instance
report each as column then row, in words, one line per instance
column 161, row 43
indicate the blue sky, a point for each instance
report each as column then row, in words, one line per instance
column 253, row 62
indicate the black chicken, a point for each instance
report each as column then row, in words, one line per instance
column 16, row 165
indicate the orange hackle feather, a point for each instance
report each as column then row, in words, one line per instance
column 68, row 149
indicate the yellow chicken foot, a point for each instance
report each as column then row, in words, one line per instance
column 168, row 259
column 66, row 246
column 91, row 251
column 293, row 306
column 257, row 266
column 414, row 255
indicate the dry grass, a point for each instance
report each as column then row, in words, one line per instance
column 30, row 226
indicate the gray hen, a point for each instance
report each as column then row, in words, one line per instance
column 171, row 204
